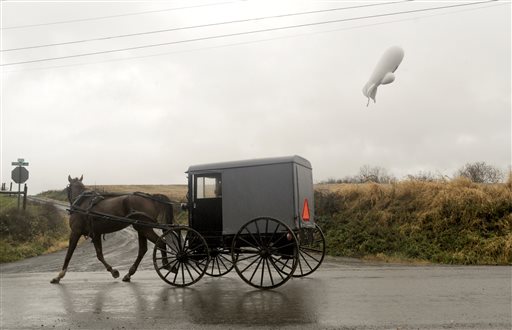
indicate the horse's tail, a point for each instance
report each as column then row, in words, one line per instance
column 167, row 208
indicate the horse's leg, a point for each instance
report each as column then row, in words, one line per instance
column 99, row 253
column 73, row 241
column 143, row 248
column 153, row 237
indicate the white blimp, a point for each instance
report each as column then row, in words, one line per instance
column 384, row 72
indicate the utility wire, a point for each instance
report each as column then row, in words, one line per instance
column 256, row 41
column 249, row 32
column 204, row 25
column 115, row 16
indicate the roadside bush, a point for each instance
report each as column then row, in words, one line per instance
column 30, row 233
column 458, row 222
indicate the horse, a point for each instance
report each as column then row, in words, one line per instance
column 139, row 207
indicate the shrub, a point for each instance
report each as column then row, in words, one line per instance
column 30, row 232
column 449, row 222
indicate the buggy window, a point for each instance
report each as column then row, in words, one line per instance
column 208, row 186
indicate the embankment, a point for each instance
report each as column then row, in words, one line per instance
column 456, row 222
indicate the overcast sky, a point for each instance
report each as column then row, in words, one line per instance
column 142, row 116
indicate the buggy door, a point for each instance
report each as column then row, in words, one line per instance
column 207, row 207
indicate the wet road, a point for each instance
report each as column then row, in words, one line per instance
column 342, row 294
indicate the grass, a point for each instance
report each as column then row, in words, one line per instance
column 452, row 222
column 40, row 229
column 457, row 222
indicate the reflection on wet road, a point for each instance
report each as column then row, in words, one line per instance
column 339, row 296
column 92, row 300
column 342, row 293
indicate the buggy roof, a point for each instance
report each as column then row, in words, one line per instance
column 250, row 163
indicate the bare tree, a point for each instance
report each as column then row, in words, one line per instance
column 375, row 174
column 480, row 172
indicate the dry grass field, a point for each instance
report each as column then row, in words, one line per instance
column 178, row 192
column 454, row 222
column 175, row 192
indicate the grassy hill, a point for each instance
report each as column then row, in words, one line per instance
column 40, row 229
column 455, row 222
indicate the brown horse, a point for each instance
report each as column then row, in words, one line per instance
column 135, row 206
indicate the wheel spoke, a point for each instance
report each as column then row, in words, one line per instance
column 182, row 274
column 257, row 266
column 166, row 265
column 198, row 255
column 311, row 249
column 258, row 231
column 282, row 263
column 300, row 265
column 262, row 271
column 190, row 274
column 278, row 270
column 252, row 263
column 269, row 272
column 163, row 258
column 306, row 261
column 218, row 266
column 280, row 238
column 168, row 272
column 195, row 269
column 194, row 248
column 273, row 234
column 254, row 238
column 166, row 251
column 227, row 260
column 243, row 239
column 245, row 258
column 283, row 246
column 309, row 255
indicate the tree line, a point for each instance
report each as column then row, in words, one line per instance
column 478, row 172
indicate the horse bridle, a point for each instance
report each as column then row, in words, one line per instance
column 75, row 203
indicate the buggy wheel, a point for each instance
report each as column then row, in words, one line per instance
column 311, row 250
column 220, row 262
column 265, row 253
column 180, row 256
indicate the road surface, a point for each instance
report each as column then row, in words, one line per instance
column 342, row 294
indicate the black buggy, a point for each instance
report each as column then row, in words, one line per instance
column 256, row 216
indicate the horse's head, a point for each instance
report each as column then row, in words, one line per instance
column 75, row 188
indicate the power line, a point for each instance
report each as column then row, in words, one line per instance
column 257, row 41
column 203, row 25
column 116, row 16
column 248, row 32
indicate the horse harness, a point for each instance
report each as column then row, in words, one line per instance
column 93, row 199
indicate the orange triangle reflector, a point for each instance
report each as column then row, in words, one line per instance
column 305, row 211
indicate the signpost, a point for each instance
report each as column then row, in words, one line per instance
column 19, row 175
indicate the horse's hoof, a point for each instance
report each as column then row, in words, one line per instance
column 126, row 278
column 115, row 273
column 55, row 281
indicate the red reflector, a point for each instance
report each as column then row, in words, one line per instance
column 305, row 210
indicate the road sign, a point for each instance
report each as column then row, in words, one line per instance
column 19, row 174
column 20, row 162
